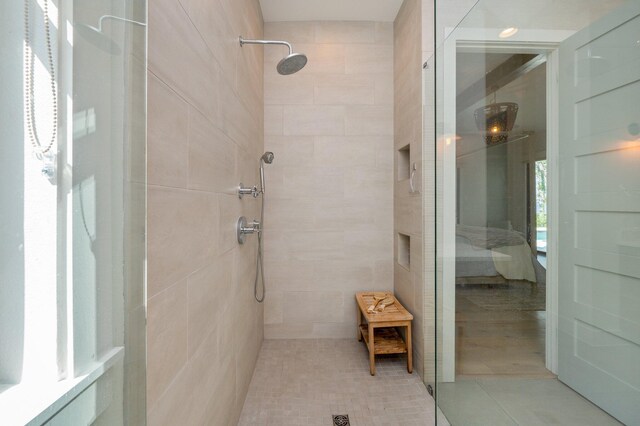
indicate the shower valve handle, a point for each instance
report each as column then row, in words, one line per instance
column 245, row 190
column 243, row 228
column 253, row 227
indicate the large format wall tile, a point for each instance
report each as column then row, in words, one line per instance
column 341, row 89
column 167, row 347
column 288, row 89
column 212, row 166
column 206, row 134
column 369, row 120
column 376, row 59
column 168, row 144
column 314, row 120
column 182, row 225
column 412, row 286
column 209, row 290
column 180, row 58
column 329, row 202
column 341, row 33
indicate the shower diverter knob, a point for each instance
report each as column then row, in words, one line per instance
column 243, row 228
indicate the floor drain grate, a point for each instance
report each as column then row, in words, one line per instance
column 341, row 420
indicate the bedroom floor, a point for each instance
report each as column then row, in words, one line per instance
column 500, row 331
column 501, row 378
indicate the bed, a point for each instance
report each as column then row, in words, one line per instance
column 494, row 256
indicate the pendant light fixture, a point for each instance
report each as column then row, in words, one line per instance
column 496, row 120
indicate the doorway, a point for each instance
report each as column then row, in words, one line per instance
column 500, row 290
column 539, row 197
column 580, row 229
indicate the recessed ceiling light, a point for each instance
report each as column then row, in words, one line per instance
column 508, row 32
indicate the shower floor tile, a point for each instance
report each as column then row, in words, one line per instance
column 305, row 382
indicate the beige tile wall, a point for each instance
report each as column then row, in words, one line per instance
column 205, row 135
column 329, row 201
column 429, row 190
column 429, row 221
column 413, row 212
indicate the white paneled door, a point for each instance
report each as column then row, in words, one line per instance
column 599, row 229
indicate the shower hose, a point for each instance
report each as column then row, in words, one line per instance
column 259, row 262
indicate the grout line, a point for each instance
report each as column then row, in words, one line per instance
column 498, row 404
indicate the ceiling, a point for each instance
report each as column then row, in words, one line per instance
column 471, row 67
column 330, row 10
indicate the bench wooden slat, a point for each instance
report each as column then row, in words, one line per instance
column 379, row 332
column 395, row 312
column 387, row 340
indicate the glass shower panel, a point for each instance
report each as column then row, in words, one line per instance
column 73, row 250
column 108, row 133
column 536, row 164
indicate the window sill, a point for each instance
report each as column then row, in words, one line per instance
column 35, row 403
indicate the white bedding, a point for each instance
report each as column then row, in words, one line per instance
column 488, row 252
column 473, row 261
column 514, row 262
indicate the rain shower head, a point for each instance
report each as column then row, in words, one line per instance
column 267, row 157
column 290, row 64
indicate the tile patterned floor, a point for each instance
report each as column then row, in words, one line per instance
column 304, row 382
column 518, row 402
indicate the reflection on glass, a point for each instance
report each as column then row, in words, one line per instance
column 73, row 215
column 534, row 274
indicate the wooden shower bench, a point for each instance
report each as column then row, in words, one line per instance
column 379, row 331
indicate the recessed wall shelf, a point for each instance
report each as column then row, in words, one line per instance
column 404, row 162
column 404, row 250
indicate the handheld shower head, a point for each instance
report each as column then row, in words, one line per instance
column 267, row 157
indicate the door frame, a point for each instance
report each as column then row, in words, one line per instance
column 525, row 41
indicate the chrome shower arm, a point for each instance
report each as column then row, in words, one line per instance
column 277, row 42
column 118, row 18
